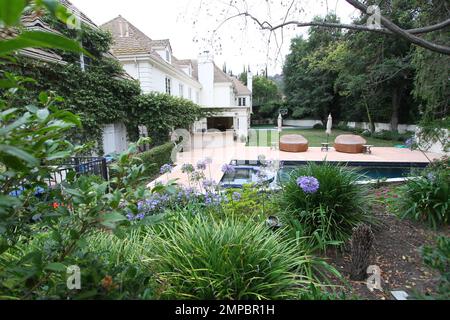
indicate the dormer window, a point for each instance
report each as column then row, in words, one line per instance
column 124, row 29
column 168, row 56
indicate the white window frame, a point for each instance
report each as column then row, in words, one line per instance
column 181, row 89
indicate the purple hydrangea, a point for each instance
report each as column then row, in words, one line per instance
column 167, row 168
column 201, row 165
column 228, row 169
column 308, row 184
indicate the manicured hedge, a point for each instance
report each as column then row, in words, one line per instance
column 156, row 157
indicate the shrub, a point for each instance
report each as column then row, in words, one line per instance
column 204, row 259
column 327, row 204
column 156, row 157
column 438, row 258
column 248, row 202
column 426, row 198
column 318, row 126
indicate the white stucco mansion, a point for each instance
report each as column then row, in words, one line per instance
column 153, row 63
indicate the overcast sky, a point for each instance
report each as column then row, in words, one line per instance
column 189, row 24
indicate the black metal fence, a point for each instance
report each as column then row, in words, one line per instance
column 79, row 166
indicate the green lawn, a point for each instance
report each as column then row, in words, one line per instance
column 315, row 137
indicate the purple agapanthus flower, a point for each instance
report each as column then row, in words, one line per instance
column 187, row 168
column 410, row 142
column 236, row 196
column 209, row 184
column 197, row 176
column 213, row 199
column 140, row 216
column 308, row 184
column 201, row 165
column 228, row 169
column 167, row 168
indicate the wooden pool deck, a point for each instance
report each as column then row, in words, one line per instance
column 239, row 151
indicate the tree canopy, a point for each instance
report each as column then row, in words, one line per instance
column 365, row 76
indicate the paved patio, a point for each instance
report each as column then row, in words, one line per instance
column 238, row 151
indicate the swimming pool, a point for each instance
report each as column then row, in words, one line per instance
column 247, row 172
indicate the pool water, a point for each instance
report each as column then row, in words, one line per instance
column 246, row 174
column 243, row 175
column 367, row 173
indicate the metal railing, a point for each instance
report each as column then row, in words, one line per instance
column 80, row 166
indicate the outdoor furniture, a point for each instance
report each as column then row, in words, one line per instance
column 350, row 143
column 325, row 146
column 293, row 143
column 367, row 148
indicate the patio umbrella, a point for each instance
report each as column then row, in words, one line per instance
column 329, row 126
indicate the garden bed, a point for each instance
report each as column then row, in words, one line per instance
column 396, row 251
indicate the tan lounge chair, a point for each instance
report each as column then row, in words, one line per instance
column 293, row 143
column 350, row 143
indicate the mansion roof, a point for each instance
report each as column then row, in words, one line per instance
column 130, row 41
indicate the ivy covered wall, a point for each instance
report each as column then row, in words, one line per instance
column 102, row 94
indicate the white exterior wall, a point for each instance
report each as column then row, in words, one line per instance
column 114, row 138
column 153, row 79
column 223, row 96
column 402, row 128
column 301, row 123
column 142, row 71
column 206, row 78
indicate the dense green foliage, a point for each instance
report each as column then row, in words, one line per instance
column 438, row 258
column 101, row 93
column 43, row 228
column 162, row 113
column 266, row 100
column 368, row 76
column 309, row 84
column 427, row 198
column 328, row 215
column 156, row 157
column 231, row 260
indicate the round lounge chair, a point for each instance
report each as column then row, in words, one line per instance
column 349, row 143
column 293, row 143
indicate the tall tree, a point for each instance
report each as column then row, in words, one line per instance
column 308, row 85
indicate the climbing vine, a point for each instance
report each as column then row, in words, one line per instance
column 102, row 93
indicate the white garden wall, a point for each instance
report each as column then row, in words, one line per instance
column 402, row 128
